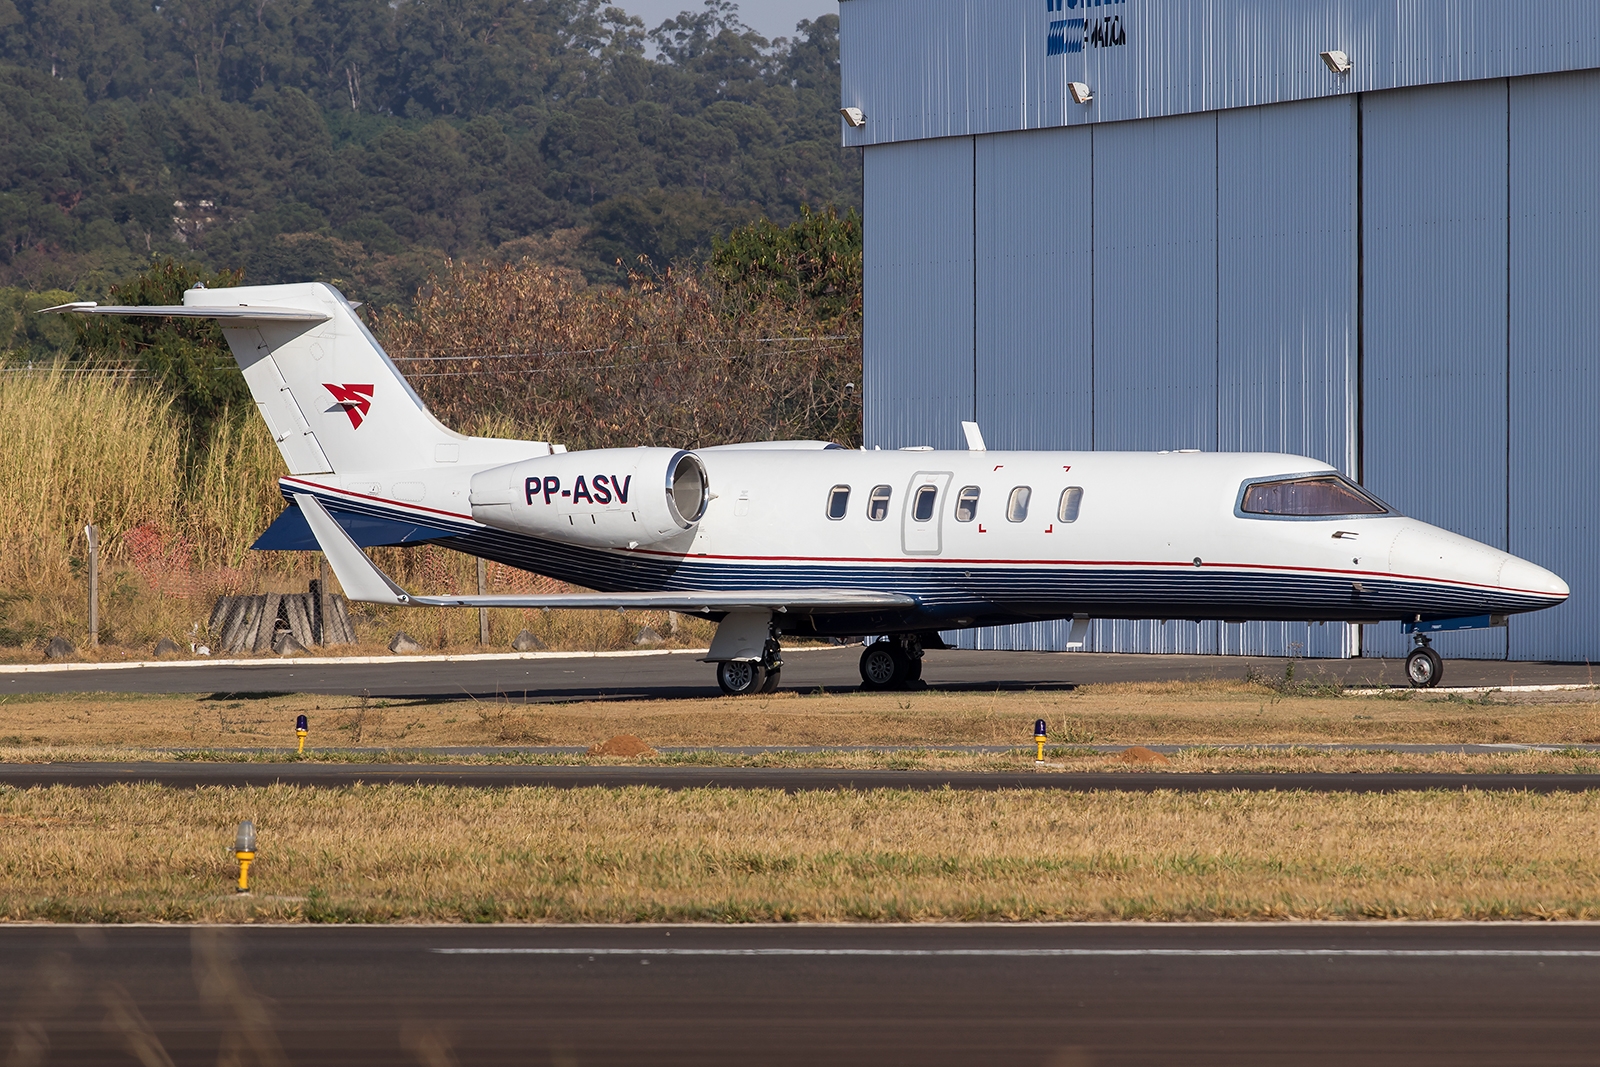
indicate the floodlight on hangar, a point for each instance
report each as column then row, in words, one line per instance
column 1337, row 61
column 1080, row 92
column 854, row 116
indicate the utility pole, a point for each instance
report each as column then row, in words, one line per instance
column 483, row 613
column 91, row 534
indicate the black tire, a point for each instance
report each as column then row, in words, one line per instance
column 913, row 669
column 1424, row 668
column 739, row 677
column 882, row 666
column 771, row 684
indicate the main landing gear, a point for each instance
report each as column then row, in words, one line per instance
column 892, row 662
column 742, row 677
column 1424, row 667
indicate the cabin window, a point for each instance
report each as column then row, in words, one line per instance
column 924, row 502
column 838, row 501
column 1071, row 501
column 878, row 503
column 967, row 504
column 1320, row 495
column 1017, row 505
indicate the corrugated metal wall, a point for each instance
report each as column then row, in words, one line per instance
column 1434, row 407
column 1035, row 305
column 917, row 293
column 943, row 68
column 1155, row 314
column 1286, row 304
column 1555, row 355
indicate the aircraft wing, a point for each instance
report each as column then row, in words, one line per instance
column 364, row 582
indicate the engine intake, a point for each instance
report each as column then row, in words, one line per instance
column 605, row 498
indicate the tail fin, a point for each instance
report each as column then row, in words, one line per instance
column 331, row 396
column 333, row 399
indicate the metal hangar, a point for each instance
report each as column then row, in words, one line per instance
column 1366, row 231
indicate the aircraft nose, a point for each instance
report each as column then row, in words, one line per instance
column 1520, row 576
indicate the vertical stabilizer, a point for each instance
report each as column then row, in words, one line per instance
column 331, row 396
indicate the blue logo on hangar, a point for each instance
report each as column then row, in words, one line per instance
column 1091, row 29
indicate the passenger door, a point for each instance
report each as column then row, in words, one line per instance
column 924, row 513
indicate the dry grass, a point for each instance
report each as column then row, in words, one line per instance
column 1190, row 713
column 174, row 537
column 397, row 853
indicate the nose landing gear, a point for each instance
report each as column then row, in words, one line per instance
column 1424, row 667
column 892, row 663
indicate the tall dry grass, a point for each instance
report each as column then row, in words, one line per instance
column 177, row 519
column 80, row 449
column 395, row 853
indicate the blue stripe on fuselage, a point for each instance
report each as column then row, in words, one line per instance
column 988, row 594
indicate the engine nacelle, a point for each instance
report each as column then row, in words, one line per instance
column 605, row 498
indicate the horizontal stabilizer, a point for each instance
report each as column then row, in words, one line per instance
column 363, row 581
column 237, row 316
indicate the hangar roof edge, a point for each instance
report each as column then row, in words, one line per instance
column 948, row 68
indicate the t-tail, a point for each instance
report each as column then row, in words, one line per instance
column 332, row 398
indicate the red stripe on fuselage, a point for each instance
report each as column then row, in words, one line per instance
column 960, row 562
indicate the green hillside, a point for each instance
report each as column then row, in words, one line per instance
column 364, row 142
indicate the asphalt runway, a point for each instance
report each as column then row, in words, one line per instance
column 188, row 775
column 1041, row 996
column 564, row 678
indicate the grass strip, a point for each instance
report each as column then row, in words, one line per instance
column 393, row 853
column 1191, row 713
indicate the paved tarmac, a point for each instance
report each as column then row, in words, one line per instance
column 1052, row 996
column 579, row 677
column 188, row 775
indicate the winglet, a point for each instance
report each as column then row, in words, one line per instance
column 362, row 580
column 76, row 305
column 974, row 437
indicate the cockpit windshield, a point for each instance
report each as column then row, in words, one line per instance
column 1316, row 495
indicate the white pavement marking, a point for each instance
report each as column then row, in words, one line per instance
column 1461, row 690
column 1398, row 953
column 320, row 661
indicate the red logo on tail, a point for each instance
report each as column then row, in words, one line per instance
column 355, row 399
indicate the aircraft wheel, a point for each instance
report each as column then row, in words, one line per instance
column 881, row 666
column 1424, row 668
column 741, row 677
column 913, row 668
column 771, row 684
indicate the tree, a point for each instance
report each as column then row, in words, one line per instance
column 188, row 357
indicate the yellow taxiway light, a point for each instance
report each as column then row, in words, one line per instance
column 244, row 850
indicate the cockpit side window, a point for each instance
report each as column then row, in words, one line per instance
column 878, row 503
column 967, row 504
column 838, row 501
column 1314, row 496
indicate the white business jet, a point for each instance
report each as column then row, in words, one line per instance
column 804, row 538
